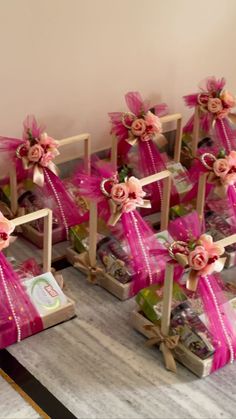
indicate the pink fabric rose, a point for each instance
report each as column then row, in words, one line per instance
column 221, row 167
column 135, row 189
column 46, row 141
column 46, row 159
column 214, row 105
column 6, row 228
column 35, row 153
column 212, row 248
column 138, row 127
column 222, row 114
column 129, row 206
column 214, row 251
column 230, row 179
column 119, row 193
column 231, row 159
column 198, row 258
column 227, row 98
column 153, row 122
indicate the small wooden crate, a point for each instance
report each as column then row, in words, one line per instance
column 58, row 233
column 199, row 367
column 121, row 291
column 68, row 310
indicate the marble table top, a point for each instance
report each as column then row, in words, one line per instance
column 12, row 405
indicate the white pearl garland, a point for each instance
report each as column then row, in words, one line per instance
column 135, row 221
column 11, row 305
column 58, row 203
column 226, row 136
column 154, row 168
column 227, row 336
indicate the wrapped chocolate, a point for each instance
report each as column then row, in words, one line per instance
column 192, row 331
column 115, row 259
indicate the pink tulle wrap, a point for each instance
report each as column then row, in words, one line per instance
column 19, row 318
column 220, row 128
column 221, row 318
column 131, row 228
column 53, row 190
column 150, row 159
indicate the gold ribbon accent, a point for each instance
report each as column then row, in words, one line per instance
column 116, row 210
column 167, row 344
column 82, row 262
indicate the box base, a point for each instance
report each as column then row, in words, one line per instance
column 36, row 237
column 199, row 367
column 106, row 281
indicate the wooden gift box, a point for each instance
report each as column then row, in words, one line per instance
column 68, row 145
column 198, row 366
column 106, row 281
column 67, row 310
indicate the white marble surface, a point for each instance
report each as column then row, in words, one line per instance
column 12, row 405
column 99, row 367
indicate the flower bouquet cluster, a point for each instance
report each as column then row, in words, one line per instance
column 37, row 153
column 215, row 99
column 32, row 157
column 201, row 257
column 124, row 196
column 214, row 103
column 141, row 126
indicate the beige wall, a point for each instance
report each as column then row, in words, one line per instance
column 71, row 61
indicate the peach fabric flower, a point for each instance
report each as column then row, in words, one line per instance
column 231, row 158
column 213, row 249
column 230, row 179
column 6, row 228
column 228, row 98
column 135, row 189
column 153, row 122
column 198, row 258
column 221, row 167
column 129, row 206
column 35, row 153
column 138, row 127
column 45, row 140
column 214, row 105
column 119, row 192
column 46, row 159
column 222, row 114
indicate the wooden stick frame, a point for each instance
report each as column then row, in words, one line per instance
column 85, row 138
column 46, row 214
column 165, row 175
column 164, row 119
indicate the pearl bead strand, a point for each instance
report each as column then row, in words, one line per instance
column 135, row 221
column 154, row 169
column 11, row 305
column 226, row 136
column 58, row 203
